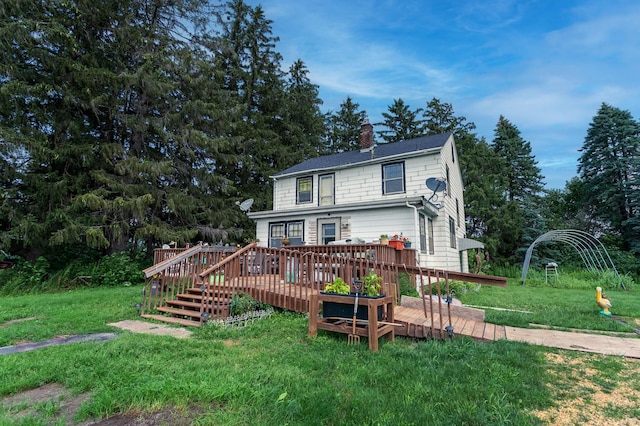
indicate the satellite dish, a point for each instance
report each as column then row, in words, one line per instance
column 436, row 184
column 245, row 206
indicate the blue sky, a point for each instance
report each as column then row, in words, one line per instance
column 545, row 65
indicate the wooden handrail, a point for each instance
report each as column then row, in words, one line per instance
column 155, row 269
column 228, row 259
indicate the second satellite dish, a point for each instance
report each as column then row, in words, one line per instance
column 436, row 184
column 245, row 206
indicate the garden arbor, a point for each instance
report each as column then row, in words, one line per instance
column 593, row 253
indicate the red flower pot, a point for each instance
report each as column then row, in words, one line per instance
column 397, row 244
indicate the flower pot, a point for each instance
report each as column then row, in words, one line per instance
column 397, row 244
column 407, row 244
column 345, row 309
column 384, row 241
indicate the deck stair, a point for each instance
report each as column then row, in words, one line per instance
column 185, row 309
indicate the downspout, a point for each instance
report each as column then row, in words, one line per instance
column 416, row 231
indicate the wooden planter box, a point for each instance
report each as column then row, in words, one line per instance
column 344, row 309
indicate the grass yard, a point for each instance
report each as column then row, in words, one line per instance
column 272, row 373
column 558, row 307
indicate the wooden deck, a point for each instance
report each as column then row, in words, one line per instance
column 195, row 285
column 296, row 298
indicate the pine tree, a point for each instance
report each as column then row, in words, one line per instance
column 523, row 176
column 610, row 168
column 440, row 118
column 109, row 106
column 251, row 73
column 303, row 123
column 401, row 123
column 343, row 128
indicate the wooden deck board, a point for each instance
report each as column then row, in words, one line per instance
column 478, row 330
column 489, row 331
column 501, row 332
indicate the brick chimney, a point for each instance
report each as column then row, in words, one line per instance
column 366, row 136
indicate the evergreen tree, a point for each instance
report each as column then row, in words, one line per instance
column 610, row 168
column 101, row 102
column 303, row 123
column 343, row 128
column 251, row 73
column 440, row 118
column 523, row 176
column 484, row 183
column 401, row 123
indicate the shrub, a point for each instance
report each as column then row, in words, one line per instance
column 25, row 277
column 241, row 303
column 407, row 285
column 117, row 269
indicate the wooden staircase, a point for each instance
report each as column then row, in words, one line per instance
column 185, row 309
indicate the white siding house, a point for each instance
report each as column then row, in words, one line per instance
column 360, row 195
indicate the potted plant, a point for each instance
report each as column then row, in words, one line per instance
column 338, row 286
column 371, row 285
column 285, row 241
column 343, row 305
column 384, row 239
column 397, row 242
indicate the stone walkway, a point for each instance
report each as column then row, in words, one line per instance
column 26, row 347
column 585, row 342
column 136, row 326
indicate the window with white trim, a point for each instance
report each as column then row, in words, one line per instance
column 326, row 190
column 432, row 248
column 393, row 178
column 293, row 230
column 304, row 190
column 452, row 233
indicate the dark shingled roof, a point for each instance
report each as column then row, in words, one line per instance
column 380, row 151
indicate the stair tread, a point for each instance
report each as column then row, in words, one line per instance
column 195, row 302
column 175, row 311
column 172, row 320
column 196, row 305
column 186, row 312
column 196, row 290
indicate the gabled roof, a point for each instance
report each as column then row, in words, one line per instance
column 382, row 151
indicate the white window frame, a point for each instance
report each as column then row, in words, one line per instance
column 326, row 190
column 309, row 192
column 386, row 180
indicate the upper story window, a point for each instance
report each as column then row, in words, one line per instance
column 452, row 233
column 304, row 188
column 448, row 181
column 393, row 178
column 326, row 190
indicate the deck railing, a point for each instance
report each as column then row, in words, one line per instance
column 176, row 270
column 287, row 277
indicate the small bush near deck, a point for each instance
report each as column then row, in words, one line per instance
column 241, row 303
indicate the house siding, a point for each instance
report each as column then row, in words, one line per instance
column 362, row 183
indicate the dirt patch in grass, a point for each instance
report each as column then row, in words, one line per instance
column 55, row 404
column 16, row 321
column 51, row 401
column 587, row 395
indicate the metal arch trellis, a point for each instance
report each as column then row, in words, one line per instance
column 593, row 253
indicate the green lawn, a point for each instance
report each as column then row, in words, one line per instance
column 559, row 307
column 271, row 373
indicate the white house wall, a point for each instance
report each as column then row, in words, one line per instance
column 362, row 184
